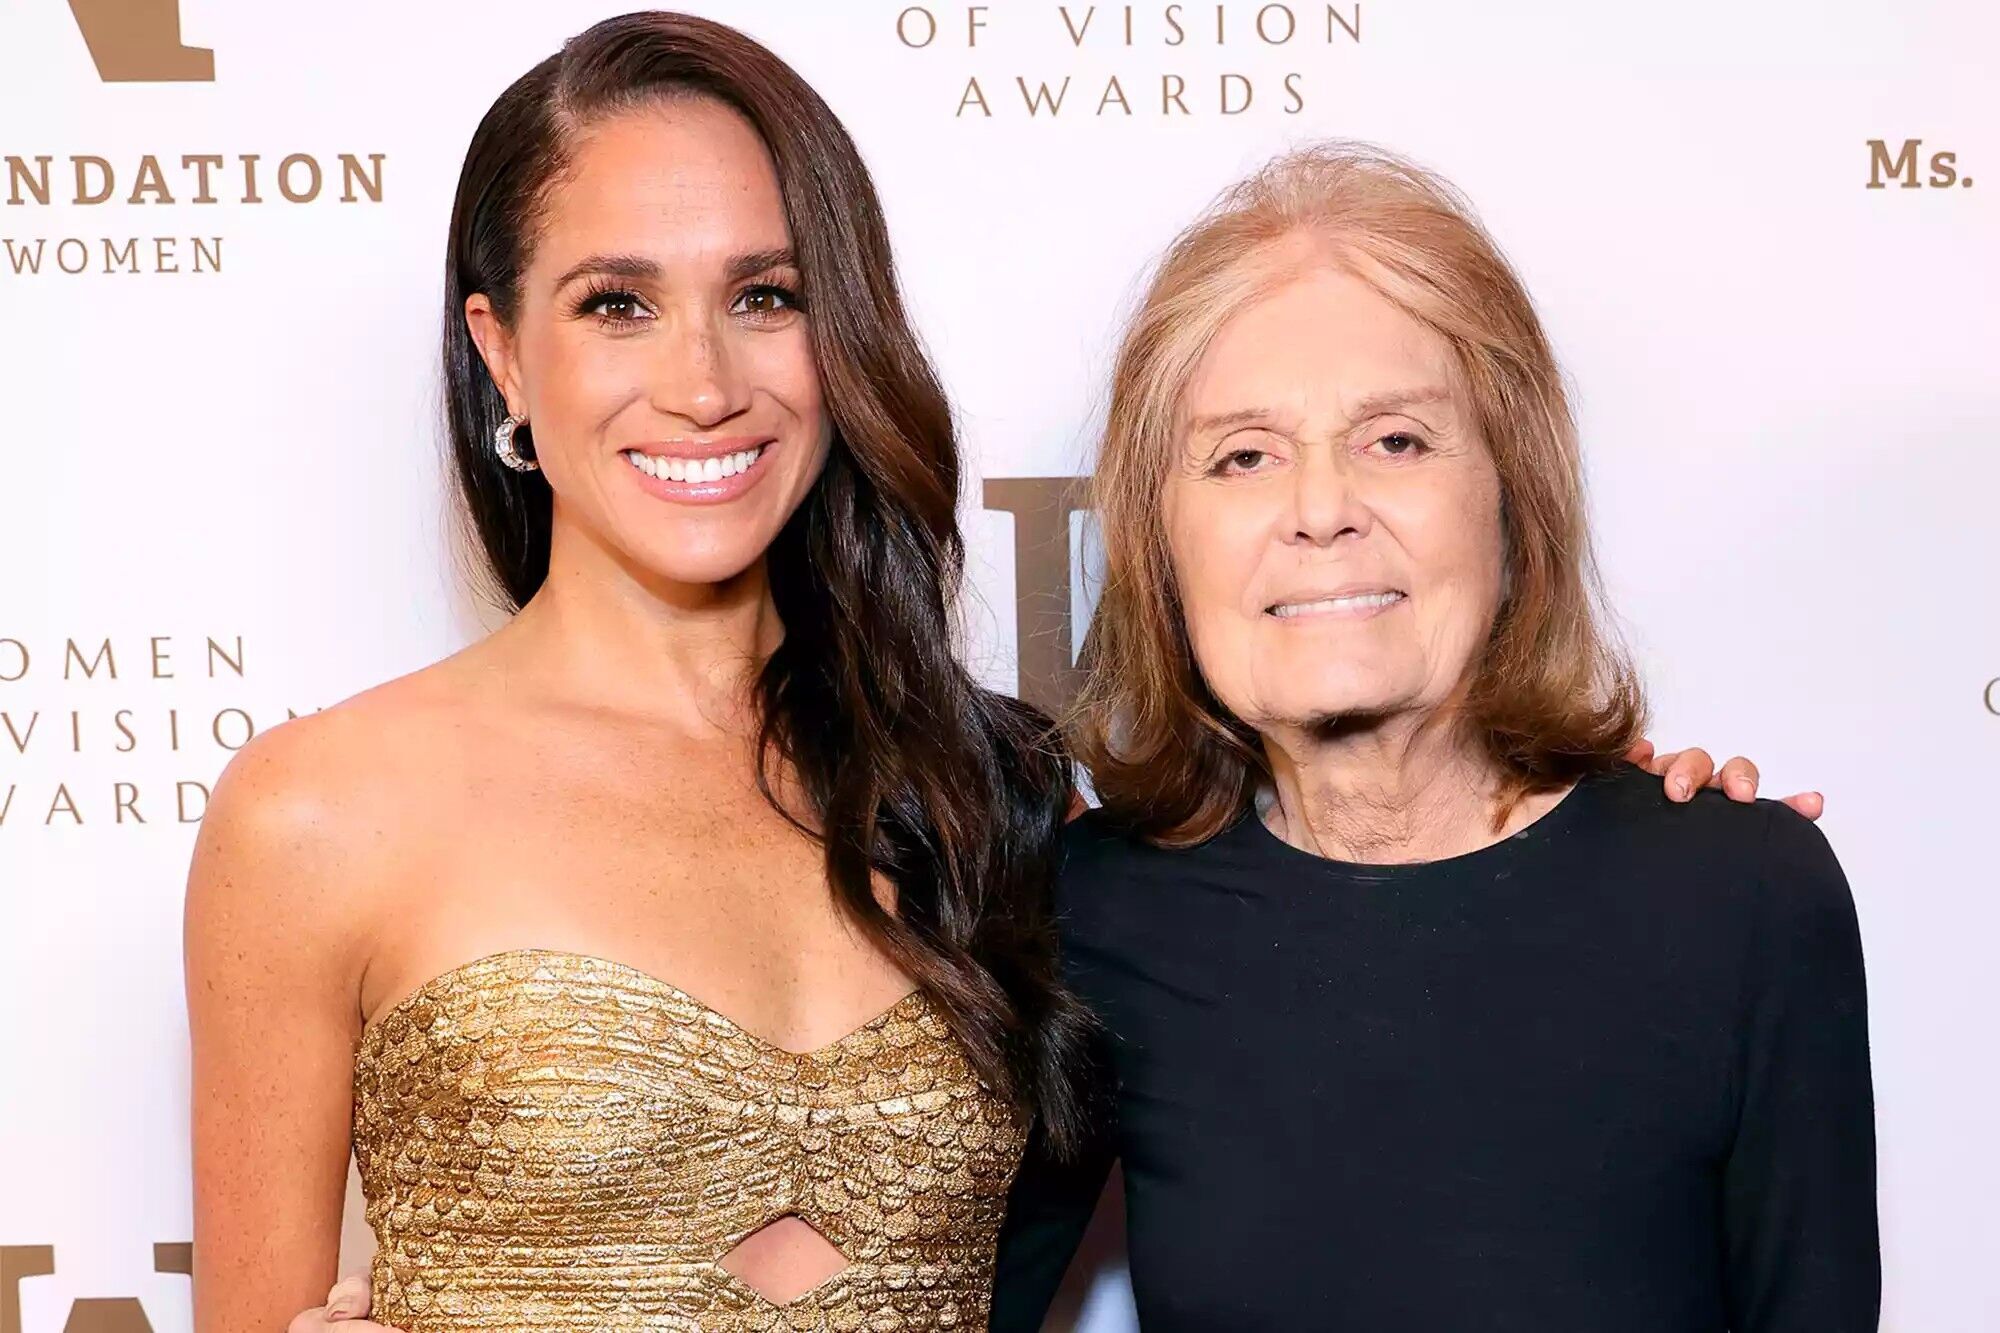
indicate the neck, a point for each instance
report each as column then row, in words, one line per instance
column 1390, row 790
column 627, row 640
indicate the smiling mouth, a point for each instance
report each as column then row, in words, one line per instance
column 668, row 467
column 1347, row 604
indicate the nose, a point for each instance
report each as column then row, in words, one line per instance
column 1327, row 500
column 701, row 377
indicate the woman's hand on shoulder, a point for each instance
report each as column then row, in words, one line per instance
column 1688, row 771
column 346, row 1309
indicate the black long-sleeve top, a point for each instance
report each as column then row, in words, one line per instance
column 1609, row 1075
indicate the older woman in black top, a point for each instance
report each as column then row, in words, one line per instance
column 1423, row 1012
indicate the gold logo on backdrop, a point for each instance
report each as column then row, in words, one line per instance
column 92, row 1314
column 1902, row 164
column 139, row 41
column 1139, row 36
column 128, row 729
column 86, row 180
column 1044, row 630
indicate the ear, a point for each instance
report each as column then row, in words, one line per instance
column 496, row 349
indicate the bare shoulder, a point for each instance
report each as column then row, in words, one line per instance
column 309, row 815
column 336, row 774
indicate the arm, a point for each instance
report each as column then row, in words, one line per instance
column 1047, row 1212
column 1799, row 1186
column 273, row 1017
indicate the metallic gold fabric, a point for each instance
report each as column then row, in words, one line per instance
column 550, row 1141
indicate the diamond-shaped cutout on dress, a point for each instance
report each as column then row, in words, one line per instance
column 783, row 1260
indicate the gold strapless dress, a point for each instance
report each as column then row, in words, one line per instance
column 552, row 1141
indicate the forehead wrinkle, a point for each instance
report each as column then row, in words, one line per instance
column 1288, row 421
column 1405, row 402
column 1210, row 422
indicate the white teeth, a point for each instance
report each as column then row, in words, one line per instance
column 694, row 469
column 1362, row 602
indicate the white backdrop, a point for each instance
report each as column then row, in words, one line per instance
column 217, row 452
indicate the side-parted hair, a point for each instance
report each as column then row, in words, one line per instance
column 1551, row 697
column 953, row 794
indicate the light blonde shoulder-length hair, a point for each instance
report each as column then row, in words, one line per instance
column 1552, row 696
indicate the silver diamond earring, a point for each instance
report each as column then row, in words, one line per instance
column 503, row 445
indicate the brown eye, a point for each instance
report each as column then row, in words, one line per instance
column 1238, row 461
column 1402, row 444
column 765, row 300
column 616, row 307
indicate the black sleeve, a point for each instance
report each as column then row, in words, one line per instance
column 1799, row 1187
column 1047, row 1212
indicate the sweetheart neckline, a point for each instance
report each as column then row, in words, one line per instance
column 914, row 996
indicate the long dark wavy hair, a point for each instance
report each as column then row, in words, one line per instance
column 955, row 794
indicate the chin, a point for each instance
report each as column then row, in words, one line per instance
column 699, row 566
column 1319, row 709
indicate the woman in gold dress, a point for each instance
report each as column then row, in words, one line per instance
column 679, row 955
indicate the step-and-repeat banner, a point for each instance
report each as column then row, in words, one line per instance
column 1766, row 237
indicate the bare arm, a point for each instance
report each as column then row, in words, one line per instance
column 272, row 977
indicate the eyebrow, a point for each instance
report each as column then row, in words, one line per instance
column 638, row 268
column 1374, row 405
column 761, row 261
column 610, row 266
column 1221, row 421
column 1398, row 400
